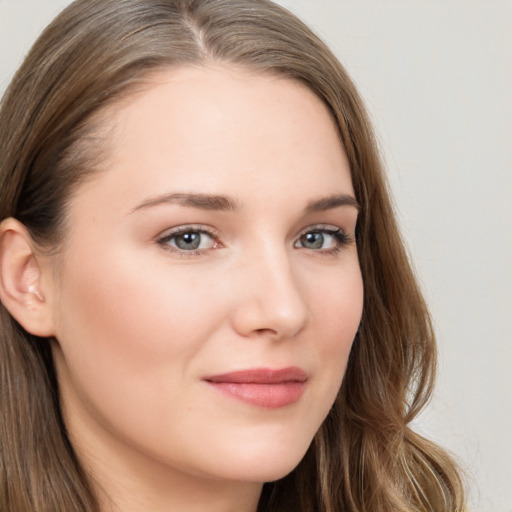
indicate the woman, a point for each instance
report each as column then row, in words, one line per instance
column 192, row 204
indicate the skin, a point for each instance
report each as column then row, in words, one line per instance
column 139, row 323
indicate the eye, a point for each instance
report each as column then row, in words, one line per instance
column 188, row 239
column 326, row 240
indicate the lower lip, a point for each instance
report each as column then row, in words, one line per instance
column 270, row 396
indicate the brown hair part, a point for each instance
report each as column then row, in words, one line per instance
column 365, row 456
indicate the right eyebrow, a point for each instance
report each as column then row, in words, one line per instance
column 201, row 201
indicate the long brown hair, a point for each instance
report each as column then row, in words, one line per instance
column 365, row 456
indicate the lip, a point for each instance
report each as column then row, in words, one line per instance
column 262, row 387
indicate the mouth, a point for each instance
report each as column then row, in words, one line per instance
column 262, row 387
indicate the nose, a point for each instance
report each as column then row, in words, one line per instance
column 270, row 300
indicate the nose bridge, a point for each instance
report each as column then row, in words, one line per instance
column 272, row 299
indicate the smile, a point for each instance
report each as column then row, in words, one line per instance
column 262, row 387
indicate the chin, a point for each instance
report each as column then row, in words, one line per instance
column 266, row 465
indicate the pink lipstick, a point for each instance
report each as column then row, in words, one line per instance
column 262, row 387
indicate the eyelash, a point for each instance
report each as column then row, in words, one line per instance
column 175, row 233
column 341, row 239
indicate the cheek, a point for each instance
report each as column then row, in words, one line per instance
column 336, row 312
column 337, row 306
column 126, row 329
column 116, row 300
column 129, row 337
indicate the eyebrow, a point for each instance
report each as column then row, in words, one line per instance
column 201, row 201
column 224, row 203
column 330, row 202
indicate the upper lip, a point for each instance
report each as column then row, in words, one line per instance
column 261, row 376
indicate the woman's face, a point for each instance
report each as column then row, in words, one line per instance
column 208, row 293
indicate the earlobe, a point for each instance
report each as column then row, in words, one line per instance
column 21, row 280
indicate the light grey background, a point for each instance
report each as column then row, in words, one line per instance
column 437, row 78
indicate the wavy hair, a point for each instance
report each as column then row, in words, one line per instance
column 365, row 457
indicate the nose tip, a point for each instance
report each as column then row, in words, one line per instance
column 271, row 304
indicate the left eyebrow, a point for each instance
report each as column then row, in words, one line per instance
column 334, row 201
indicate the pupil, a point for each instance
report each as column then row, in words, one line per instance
column 314, row 240
column 188, row 241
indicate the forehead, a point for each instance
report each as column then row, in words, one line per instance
column 221, row 130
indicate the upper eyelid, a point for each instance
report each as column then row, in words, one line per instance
column 200, row 228
column 328, row 229
column 348, row 235
column 322, row 227
column 203, row 228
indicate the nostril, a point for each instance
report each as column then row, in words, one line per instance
column 265, row 332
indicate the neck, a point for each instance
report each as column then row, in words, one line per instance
column 126, row 487
column 179, row 494
column 127, row 481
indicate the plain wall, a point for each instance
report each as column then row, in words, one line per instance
column 437, row 79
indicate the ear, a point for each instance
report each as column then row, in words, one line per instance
column 21, row 283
